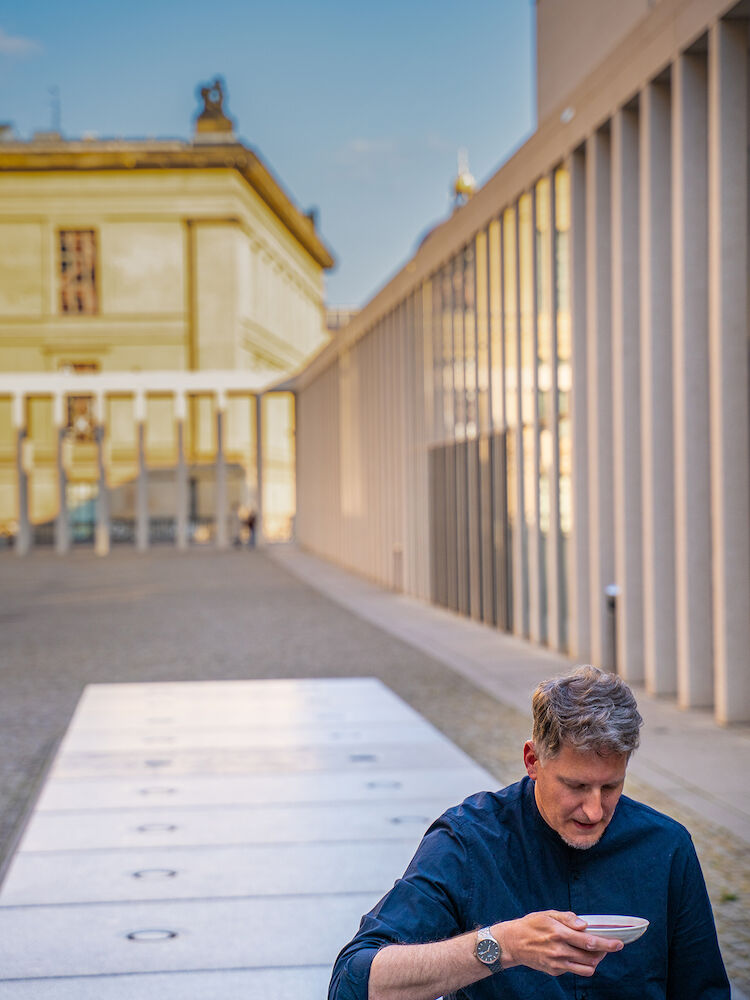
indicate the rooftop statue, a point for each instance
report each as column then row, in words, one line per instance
column 212, row 117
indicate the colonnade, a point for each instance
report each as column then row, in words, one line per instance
column 177, row 386
column 620, row 500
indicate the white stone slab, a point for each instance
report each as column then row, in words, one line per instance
column 98, row 713
column 267, row 760
column 214, row 817
column 210, row 873
column 450, row 784
column 301, row 983
column 292, row 695
column 195, row 827
column 247, row 737
column 228, row 934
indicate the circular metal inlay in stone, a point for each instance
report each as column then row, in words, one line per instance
column 151, row 935
column 158, row 790
column 156, row 828
column 384, row 784
column 409, row 819
column 154, row 873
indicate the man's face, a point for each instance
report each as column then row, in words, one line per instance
column 576, row 793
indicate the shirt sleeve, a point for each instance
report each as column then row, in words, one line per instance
column 425, row 905
column 696, row 969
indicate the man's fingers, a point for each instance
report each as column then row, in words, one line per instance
column 603, row 944
column 567, row 918
column 575, row 935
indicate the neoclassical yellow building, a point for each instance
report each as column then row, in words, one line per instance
column 145, row 257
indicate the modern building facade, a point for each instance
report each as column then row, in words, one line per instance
column 542, row 421
column 172, row 257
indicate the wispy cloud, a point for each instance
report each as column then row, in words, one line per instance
column 362, row 150
column 16, row 45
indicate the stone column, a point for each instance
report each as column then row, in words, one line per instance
column 626, row 396
column 24, row 537
column 580, row 549
column 62, row 522
column 554, row 629
column 519, row 570
column 181, row 514
column 690, row 382
column 259, row 469
column 599, row 380
column 657, row 438
column 102, row 537
column 728, row 364
column 220, row 514
column 534, row 536
column 141, row 502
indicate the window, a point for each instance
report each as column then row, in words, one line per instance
column 78, row 271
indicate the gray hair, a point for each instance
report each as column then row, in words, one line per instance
column 588, row 710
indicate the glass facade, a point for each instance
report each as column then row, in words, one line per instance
column 500, row 458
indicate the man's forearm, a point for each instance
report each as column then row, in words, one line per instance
column 549, row 941
column 425, row 971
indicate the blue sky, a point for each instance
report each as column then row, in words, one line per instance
column 358, row 108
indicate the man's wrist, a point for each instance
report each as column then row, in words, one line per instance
column 503, row 938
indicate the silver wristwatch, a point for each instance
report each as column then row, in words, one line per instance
column 487, row 950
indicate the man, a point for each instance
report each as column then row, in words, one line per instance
column 490, row 904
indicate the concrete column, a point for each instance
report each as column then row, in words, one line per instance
column 24, row 537
column 62, row 522
column 728, row 364
column 102, row 532
column 520, row 578
column 181, row 477
column 690, row 382
column 535, row 569
column 626, row 396
column 554, row 626
column 580, row 549
column 657, row 468
column 259, row 468
column 141, row 503
column 599, row 382
column 220, row 513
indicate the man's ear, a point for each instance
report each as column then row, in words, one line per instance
column 531, row 760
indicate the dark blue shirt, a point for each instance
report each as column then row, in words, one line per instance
column 494, row 858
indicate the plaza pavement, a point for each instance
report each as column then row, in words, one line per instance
column 165, row 616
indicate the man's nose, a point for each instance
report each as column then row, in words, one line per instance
column 592, row 805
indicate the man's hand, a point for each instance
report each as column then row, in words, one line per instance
column 552, row 942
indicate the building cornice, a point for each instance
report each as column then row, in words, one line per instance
column 95, row 156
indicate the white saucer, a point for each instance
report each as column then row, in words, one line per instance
column 610, row 925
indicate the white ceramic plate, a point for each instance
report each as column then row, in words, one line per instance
column 611, row 925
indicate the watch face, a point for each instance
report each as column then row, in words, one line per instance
column 488, row 951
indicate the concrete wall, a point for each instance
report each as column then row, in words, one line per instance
column 574, row 36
